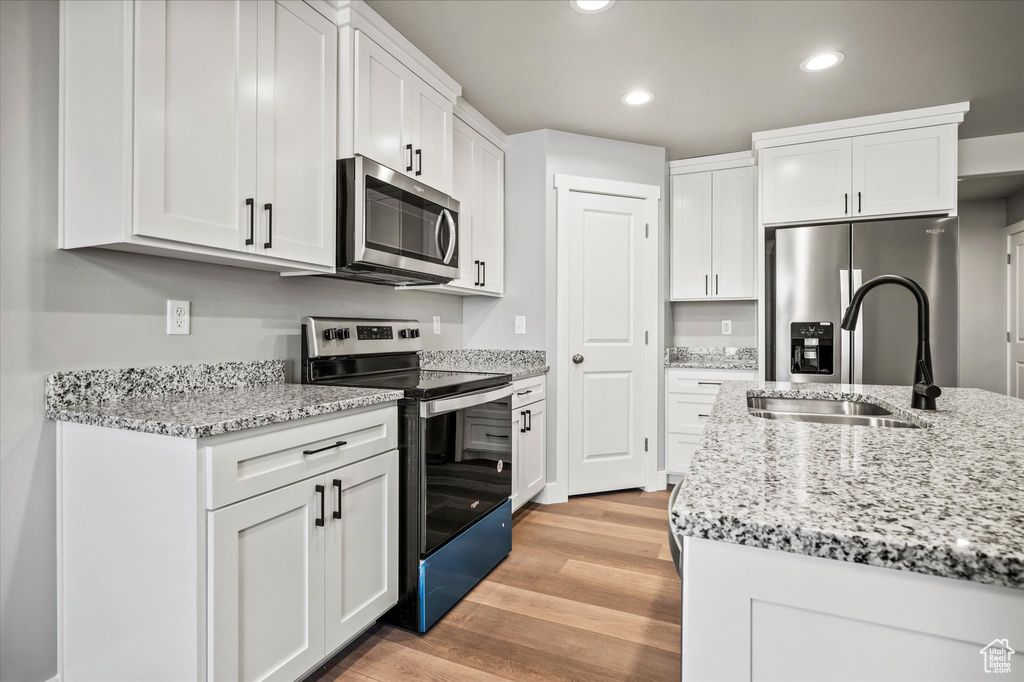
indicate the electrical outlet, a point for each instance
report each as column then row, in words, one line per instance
column 437, row 324
column 179, row 314
column 727, row 326
column 520, row 324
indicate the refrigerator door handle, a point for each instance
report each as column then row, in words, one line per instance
column 858, row 335
column 844, row 336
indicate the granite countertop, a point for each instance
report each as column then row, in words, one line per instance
column 521, row 364
column 945, row 500
column 710, row 357
column 196, row 401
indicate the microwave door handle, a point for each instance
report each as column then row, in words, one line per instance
column 452, row 235
column 437, row 233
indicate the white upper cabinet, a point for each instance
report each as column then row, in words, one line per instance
column 713, row 228
column 297, row 134
column 905, row 171
column 804, row 182
column 400, row 120
column 465, row 142
column 691, row 235
column 195, row 121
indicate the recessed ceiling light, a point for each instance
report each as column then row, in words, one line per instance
column 591, row 6
column 825, row 60
column 635, row 98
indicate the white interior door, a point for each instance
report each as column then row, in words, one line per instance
column 195, row 120
column 691, row 222
column 297, row 127
column 606, row 284
column 1015, row 308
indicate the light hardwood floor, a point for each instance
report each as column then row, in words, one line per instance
column 588, row 593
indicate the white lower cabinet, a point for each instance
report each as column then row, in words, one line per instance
column 529, row 440
column 689, row 398
column 278, row 553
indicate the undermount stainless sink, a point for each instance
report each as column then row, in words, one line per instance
column 825, row 412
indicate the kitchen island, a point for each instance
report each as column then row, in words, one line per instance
column 831, row 551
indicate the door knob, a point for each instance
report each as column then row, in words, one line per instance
column 577, row 358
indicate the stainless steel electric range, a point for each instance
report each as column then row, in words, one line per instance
column 455, row 453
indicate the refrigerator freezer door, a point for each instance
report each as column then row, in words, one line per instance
column 808, row 266
column 925, row 250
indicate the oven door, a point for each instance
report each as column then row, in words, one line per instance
column 467, row 460
column 397, row 223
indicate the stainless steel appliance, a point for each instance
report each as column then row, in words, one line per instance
column 455, row 453
column 392, row 229
column 811, row 273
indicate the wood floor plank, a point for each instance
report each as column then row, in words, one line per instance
column 581, row 547
column 638, row 498
column 529, row 530
column 602, row 510
column 641, row 586
column 389, row 661
column 616, row 530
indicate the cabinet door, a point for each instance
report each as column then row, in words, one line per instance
column 464, row 144
column 809, row 181
column 489, row 217
column 691, row 222
column 382, row 120
column 432, row 136
column 195, row 120
column 297, row 129
column 361, row 546
column 518, row 436
column 906, row 171
column 532, row 454
column 266, row 585
column 732, row 199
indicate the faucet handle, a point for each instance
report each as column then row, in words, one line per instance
column 927, row 387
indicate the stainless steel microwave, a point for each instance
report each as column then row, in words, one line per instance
column 392, row 229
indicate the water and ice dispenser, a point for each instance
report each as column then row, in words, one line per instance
column 811, row 348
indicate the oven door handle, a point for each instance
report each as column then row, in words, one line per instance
column 460, row 402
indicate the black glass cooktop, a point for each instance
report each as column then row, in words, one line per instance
column 423, row 384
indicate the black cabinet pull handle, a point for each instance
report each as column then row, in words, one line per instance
column 320, row 491
column 859, row 206
column 529, row 420
column 326, row 447
column 408, row 166
column 476, row 264
column 705, row 285
column 495, row 435
column 251, row 203
column 269, row 208
column 846, row 203
column 716, row 285
column 522, row 421
column 483, row 280
column 703, row 415
column 337, row 513
column 419, row 162
column 525, row 392
column 709, row 383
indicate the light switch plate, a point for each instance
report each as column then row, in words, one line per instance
column 520, row 324
column 727, row 326
column 437, row 324
column 179, row 317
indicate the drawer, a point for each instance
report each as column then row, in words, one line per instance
column 681, row 447
column 687, row 412
column 499, row 409
column 487, row 435
column 708, row 381
column 526, row 391
column 248, row 466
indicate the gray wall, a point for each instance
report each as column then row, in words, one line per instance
column 983, row 294
column 93, row 308
column 1015, row 208
column 699, row 323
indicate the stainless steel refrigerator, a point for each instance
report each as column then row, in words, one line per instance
column 811, row 273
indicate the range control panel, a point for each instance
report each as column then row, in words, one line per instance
column 374, row 333
column 330, row 336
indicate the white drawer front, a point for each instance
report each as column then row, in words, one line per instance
column 681, row 447
column 245, row 467
column 488, row 435
column 688, row 412
column 709, row 381
column 526, row 391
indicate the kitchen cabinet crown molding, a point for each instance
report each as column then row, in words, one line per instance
column 700, row 164
column 360, row 16
column 478, row 122
column 864, row 125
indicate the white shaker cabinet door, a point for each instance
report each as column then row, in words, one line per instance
column 532, row 451
column 297, row 128
column 432, row 137
column 906, row 171
column 691, row 222
column 361, row 574
column 195, row 120
column 810, row 181
column 733, row 219
column 383, row 122
column 489, row 217
column 266, row 585
column 464, row 144
column 517, row 459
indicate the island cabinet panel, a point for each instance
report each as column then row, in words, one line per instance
column 760, row 614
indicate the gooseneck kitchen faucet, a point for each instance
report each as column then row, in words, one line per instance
column 925, row 390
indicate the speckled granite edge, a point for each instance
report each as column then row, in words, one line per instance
column 711, row 357
column 519, row 363
column 113, row 385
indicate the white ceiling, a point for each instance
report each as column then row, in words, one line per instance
column 720, row 70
